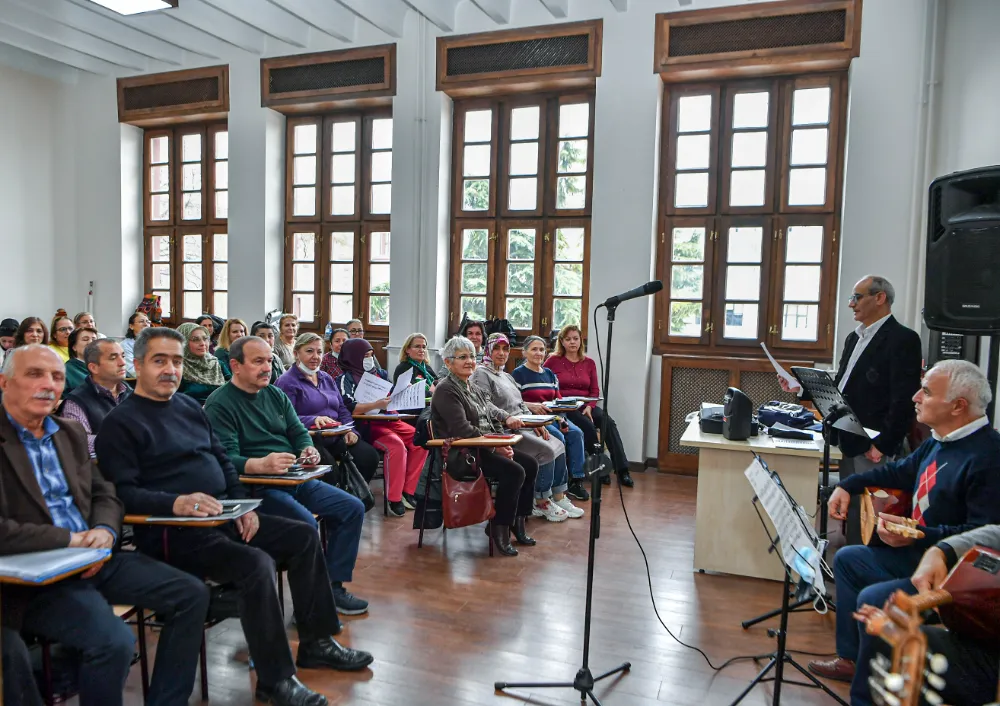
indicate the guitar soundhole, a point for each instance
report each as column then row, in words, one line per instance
column 987, row 563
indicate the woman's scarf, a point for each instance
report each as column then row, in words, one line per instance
column 352, row 357
column 494, row 340
column 204, row 370
column 422, row 368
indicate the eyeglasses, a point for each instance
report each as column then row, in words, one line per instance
column 64, row 329
column 419, row 348
column 463, row 357
column 355, row 330
column 855, row 298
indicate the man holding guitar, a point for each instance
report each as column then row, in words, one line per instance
column 955, row 480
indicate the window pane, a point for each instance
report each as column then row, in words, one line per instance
column 341, row 279
column 743, row 282
column 694, row 114
column 220, row 249
column 523, row 194
column 749, row 149
column 192, row 248
column 521, row 244
column 159, row 150
column 191, row 148
column 805, row 244
column 382, row 166
column 571, row 192
column 160, row 247
column 305, row 139
column 343, row 201
column 378, row 248
column 569, row 244
column 381, row 198
column 161, row 276
column 519, row 312
column 342, row 246
column 382, row 134
column 192, row 277
column 304, row 201
column 222, row 175
column 691, row 190
column 192, row 206
column 566, row 312
column 799, row 322
column 159, row 207
column 568, row 280
column 475, row 307
column 741, row 321
column 341, row 307
column 809, row 146
column 165, row 305
column 220, row 304
column 811, row 106
column 520, row 278
column 378, row 278
column 475, row 243
column 688, row 245
column 693, row 151
column 479, row 126
column 303, row 246
column 378, row 310
column 750, row 109
column 159, row 178
column 524, row 123
column 802, row 283
column 745, row 244
column 222, row 145
column 192, row 305
column 524, row 158
column 303, row 276
column 344, row 136
column 687, row 281
column 476, row 195
column 476, row 161
column 220, row 278
column 747, row 188
column 685, row 319
column 574, row 120
column 572, row 156
column 807, row 187
column 191, row 177
column 222, row 204
column 342, row 169
column 304, row 170
column 474, row 278
column 304, row 306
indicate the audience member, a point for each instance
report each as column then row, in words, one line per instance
column 203, row 373
column 212, row 324
column 31, row 331
column 475, row 331
column 403, row 460
column 288, row 329
column 76, row 368
column 318, row 403
column 231, row 330
column 460, row 410
column 8, row 330
column 547, row 450
column 355, row 329
column 266, row 333
column 159, row 449
column 260, row 431
column 19, row 686
column 53, row 496
column 137, row 323
column 61, row 328
column 955, row 480
column 102, row 390
column 86, row 320
column 577, row 376
column 331, row 359
column 413, row 355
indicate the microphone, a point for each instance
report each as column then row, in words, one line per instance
column 645, row 290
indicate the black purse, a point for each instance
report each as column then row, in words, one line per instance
column 350, row 480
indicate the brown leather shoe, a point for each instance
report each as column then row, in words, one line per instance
column 838, row 669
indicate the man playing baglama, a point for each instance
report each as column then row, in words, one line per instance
column 955, row 480
column 159, row 449
column 102, row 390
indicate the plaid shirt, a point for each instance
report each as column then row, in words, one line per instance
column 50, row 476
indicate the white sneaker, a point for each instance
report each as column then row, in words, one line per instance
column 572, row 510
column 550, row 511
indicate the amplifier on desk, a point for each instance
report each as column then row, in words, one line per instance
column 738, row 423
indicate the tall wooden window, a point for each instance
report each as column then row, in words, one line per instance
column 185, row 212
column 750, row 195
column 337, row 232
column 522, row 184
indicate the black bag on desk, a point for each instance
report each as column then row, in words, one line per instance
column 350, row 480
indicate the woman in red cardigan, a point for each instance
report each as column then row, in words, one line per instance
column 577, row 376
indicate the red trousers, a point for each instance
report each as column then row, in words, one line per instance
column 403, row 461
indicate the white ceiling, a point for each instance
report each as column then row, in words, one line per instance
column 60, row 38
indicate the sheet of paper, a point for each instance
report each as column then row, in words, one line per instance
column 793, row 384
column 537, row 418
column 412, row 397
column 371, row 389
column 404, row 380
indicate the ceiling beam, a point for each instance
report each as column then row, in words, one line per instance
column 268, row 18
column 36, row 64
column 620, row 5
column 439, row 12
column 204, row 17
column 44, row 47
column 557, row 8
column 20, row 18
column 387, row 15
column 496, row 10
column 326, row 16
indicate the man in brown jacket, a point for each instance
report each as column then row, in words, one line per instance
column 52, row 496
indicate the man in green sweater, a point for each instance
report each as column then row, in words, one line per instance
column 260, row 431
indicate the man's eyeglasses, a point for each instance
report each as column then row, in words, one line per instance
column 855, row 298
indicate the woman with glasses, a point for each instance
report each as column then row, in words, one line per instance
column 414, row 356
column 203, row 372
column 61, row 328
column 136, row 323
column 355, row 328
column 460, row 410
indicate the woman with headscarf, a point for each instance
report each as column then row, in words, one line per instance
column 394, row 438
column 543, row 446
column 264, row 331
column 203, row 373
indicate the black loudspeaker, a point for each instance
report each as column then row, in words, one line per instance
column 952, row 346
column 962, row 291
column 737, row 413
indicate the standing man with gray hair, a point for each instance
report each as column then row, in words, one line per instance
column 955, row 480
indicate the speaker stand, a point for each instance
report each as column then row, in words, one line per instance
column 991, row 373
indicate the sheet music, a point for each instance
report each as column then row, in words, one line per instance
column 372, row 388
column 404, row 380
column 413, row 397
column 37, row 567
column 793, row 526
column 793, row 384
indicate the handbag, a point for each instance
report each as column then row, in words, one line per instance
column 467, row 500
column 350, row 480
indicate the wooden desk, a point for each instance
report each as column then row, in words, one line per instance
column 144, row 521
column 728, row 536
column 332, row 431
column 480, row 441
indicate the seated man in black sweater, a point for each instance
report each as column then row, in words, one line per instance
column 159, row 450
column 955, row 480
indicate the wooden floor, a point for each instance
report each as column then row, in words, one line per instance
column 447, row 621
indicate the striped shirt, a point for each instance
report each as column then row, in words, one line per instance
column 536, row 387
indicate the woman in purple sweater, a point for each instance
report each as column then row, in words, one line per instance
column 317, row 401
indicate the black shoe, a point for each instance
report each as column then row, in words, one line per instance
column 329, row 653
column 347, row 602
column 289, row 692
column 625, row 478
column 577, row 491
column 520, row 535
column 397, row 509
column 606, row 480
column 501, row 539
column 409, row 501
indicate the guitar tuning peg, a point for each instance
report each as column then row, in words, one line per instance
column 931, row 697
column 934, row 680
column 894, row 682
column 938, row 663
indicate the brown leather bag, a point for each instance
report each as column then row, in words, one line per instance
column 464, row 501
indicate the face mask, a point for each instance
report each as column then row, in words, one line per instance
column 369, row 364
column 306, row 369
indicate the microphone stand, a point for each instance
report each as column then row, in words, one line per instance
column 585, row 680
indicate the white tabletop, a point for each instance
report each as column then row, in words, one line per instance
column 761, row 444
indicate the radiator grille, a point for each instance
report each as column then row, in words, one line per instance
column 763, row 387
column 544, row 52
column 328, row 75
column 758, row 33
column 689, row 387
column 175, row 94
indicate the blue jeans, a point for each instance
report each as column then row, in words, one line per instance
column 867, row 575
column 551, row 478
column 572, row 439
column 342, row 512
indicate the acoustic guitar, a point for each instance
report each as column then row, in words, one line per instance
column 875, row 501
